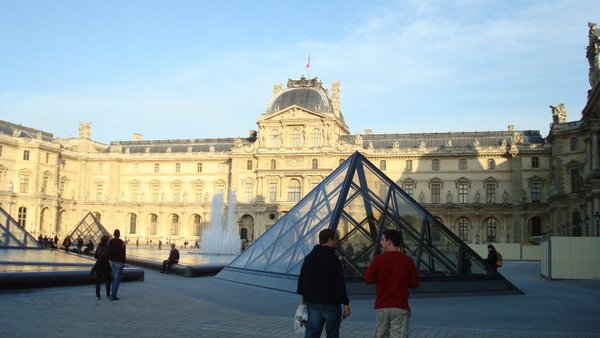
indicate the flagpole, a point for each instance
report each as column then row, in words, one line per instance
column 308, row 65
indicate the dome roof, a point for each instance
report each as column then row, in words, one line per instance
column 308, row 94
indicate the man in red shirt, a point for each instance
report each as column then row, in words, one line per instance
column 393, row 273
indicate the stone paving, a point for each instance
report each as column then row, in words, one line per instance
column 170, row 305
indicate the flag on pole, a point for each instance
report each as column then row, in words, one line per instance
column 308, row 63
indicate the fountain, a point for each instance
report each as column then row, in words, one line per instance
column 221, row 237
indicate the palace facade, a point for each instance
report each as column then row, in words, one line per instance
column 493, row 186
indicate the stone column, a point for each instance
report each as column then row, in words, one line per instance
column 595, row 156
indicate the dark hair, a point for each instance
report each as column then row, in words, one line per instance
column 393, row 235
column 491, row 247
column 117, row 233
column 325, row 235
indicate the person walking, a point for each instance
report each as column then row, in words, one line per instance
column 323, row 288
column 393, row 274
column 492, row 257
column 102, row 266
column 116, row 254
column 173, row 259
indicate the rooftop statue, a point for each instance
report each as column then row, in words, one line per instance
column 593, row 53
column 559, row 113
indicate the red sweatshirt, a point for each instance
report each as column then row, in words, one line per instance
column 393, row 272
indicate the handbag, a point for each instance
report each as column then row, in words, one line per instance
column 300, row 318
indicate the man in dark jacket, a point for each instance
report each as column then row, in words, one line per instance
column 116, row 255
column 173, row 259
column 323, row 289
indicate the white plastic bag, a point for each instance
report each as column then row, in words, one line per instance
column 300, row 318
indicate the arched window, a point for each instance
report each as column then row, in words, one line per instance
column 491, row 163
column 315, row 163
column 132, row 224
column 153, row 224
column 249, row 165
column 490, row 229
column 156, row 167
column 383, row 165
column 294, row 190
column 317, row 137
column 175, row 225
column 197, row 225
column 275, row 138
column 463, row 228
column 295, row 138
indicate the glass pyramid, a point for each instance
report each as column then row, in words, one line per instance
column 359, row 202
column 89, row 228
column 13, row 235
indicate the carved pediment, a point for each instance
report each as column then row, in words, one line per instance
column 290, row 114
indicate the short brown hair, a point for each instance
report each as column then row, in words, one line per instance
column 325, row 235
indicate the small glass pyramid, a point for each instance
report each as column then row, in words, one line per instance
column 89, row 228
column 13, row 235
column 359, row 202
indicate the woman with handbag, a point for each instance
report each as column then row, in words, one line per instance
column 102, row 266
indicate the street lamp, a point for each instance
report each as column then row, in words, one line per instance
column 597, row 221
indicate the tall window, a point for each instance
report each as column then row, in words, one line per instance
column 295, row 138
column 156, row 167
column 408, row 165
column 175, row 225
column 272, row 191
column 294, row 191
column 382, row 165
column 0, row 150
column 409, row 188
column 435, row 164
column 197, row 192
column 575, row 180
column 315, row 163
column 317, row 137
column 248, row 190
column 536, row 192
column 99, row 192
column 273, row 164
column 463, row 228
column 491, row 163
column 463, row 193
column 573, row 143
column 45, row 180
column 436, row 189
column 24, row 183
column 490, row 192
column 155, row 189
column 22, row 216
column 132, row 224
column 490, row 229
column 153, row 224
column 26, row 155
column 199, row 167
column 177, row 167
column 47, row 157
column 275, row 139
column 462, row 164
column 249, row 165
column 135, row 191
column 535, row 162
column 176, row 192
column 197, row 225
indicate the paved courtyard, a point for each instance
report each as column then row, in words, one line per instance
column 174, row 306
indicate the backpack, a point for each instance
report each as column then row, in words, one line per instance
column 498, row 259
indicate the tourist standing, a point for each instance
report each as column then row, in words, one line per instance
column 393, row 274
column 323, row 289
column 492, row 257
column 116, row 254
column 102, row 266
column 173, row 259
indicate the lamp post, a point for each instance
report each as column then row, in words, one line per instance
column 587, row 225
column 597, row 221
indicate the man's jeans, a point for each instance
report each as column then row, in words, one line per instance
column 329, row 315
column 117, row 270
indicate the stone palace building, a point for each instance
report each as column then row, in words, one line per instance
column 489, row 186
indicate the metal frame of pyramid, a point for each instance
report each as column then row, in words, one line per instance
column 88, row 228
column 359, row 202
column 13, row 235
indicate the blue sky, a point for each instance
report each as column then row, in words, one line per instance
column 196, row 69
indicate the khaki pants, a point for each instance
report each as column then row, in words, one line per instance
column 392, row 322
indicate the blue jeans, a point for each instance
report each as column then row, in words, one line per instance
column 117, row 270
column 329, row 315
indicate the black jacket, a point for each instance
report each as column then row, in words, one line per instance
column 116, row 250
column 321, row 277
